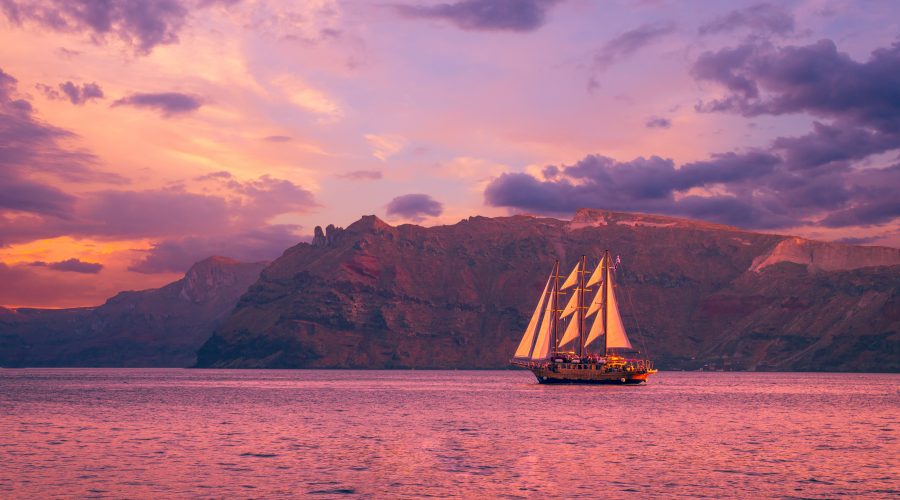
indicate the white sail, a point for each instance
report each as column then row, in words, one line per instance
column 615, row 329
column 570, row 334
column 542, row 345
column 596, row 303
column 571, row 306
column 597, row 275
column 572, row 280
column 527, row 342
column 596, row 330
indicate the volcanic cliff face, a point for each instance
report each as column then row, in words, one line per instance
column 377, row 296
column 159, row 327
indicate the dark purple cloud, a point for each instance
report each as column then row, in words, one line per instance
column 874, row 199
column 658, row 122
column 859, row 104
column 80, row 95
column 141, row 24
column 71, row 266
column 362, row 175
column 169, row 103
column 485, row 15
column 836, row 142
column 23, row 195
column 751, row 189
column 756, row 189
column 760, row 19
column 630, row 42
column 251, row 245
column 72, row 92
column 415, row 207
column 815, row 79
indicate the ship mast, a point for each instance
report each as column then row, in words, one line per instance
column 580, row 292
column 555, row 299
column 605, row 285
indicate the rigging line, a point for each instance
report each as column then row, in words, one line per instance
column 634, row 315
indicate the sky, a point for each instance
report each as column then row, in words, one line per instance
column 138, row 137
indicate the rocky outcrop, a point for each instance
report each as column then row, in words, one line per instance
column 328, row 237
column 821, row 256
column 159, row 327
column 318, row 237
column 378, row 296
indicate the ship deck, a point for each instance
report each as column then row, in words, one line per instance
column 589, row 373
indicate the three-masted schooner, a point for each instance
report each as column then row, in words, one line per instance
column 597, row 354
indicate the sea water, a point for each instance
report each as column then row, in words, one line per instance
column 141, row 433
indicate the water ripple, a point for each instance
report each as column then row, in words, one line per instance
column 139, row 433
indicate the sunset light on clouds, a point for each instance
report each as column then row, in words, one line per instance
column 137, row 138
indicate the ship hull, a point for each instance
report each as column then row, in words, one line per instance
column 589, row 375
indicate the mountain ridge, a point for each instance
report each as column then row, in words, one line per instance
column 457, row 296
column 156, row 327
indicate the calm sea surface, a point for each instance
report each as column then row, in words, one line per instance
column 219, row 433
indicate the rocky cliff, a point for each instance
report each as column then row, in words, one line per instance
column 693, row 293
column 159, row 327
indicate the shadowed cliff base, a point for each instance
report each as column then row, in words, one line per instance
column 459, row 296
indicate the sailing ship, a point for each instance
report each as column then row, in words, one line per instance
column 597, row 354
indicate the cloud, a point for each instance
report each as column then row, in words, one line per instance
column 149, row 213
column 760, row 19
column 732, row 186
column 75, row 94
column 308, row 98
column 251, row 245
column 141, row 24
column 817, row 79
column 384, row 146
column 22, row 195
column 754, row 189
column 267, row 197
column 31, row 150
column 171, row 213
column 24, row 284
column 415, row 207
column 277, row 138
column 837, row 142
column 227, row 208
column 27, row 142
column 873, row 198
column 658, row 122
column 222, row 174
column 80, row 95
column 861, row 99
column 71, row 266
column 169, row 103
column 630, row 42
column 484, row 15
column 231, row 206
column 362, row 175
